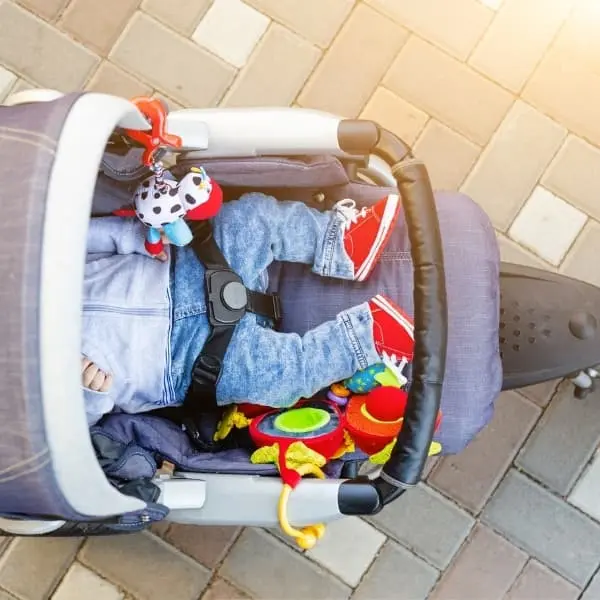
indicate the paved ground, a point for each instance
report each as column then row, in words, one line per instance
column 502, row 99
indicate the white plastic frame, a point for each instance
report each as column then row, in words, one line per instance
column 69, row 199
column 223, row 132
column 251, row 500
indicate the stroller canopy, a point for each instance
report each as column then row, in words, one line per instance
column 49, row 158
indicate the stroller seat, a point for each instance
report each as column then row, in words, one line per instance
column 473, row 373
column 50, row 475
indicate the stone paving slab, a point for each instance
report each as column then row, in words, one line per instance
column 397, row 574
column 78, row 579
column 559, row 225
column 546, row 527
column 454, row 26
column 486, row 568
column 295, row 576
column 145, row 566
column 581, row 261
column 563, row 440
column 231, row 29
column 207, row 545
column 31, row 47
column 266, row 79
column 342, row 67
column 510, row 49
column 501, row 99
column 146, row 50
column 315, row 20
column 537, row 581
column 222, row 590
column 574, row 53
column 585, row 492
column 517, row 156
column 575, row 174
column 97, row 25
column 435, row 144
column 448, row 90
column 48, row 9
column 395, row 114
column 593, row 590
column 470, row 477
column 341, row 535
column 427, row 523
column 32, row 568
column 541, row 393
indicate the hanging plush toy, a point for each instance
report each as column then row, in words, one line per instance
column 164, row 205
column 161, row 203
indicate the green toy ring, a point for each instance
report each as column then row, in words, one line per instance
column 302, row 420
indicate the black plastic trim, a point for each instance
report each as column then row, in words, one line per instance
column 391, row 148
column 549, row 325
column 359, row 497
column 408, row 457
column 357, row 137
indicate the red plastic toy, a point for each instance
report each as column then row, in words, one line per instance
column 374, row 420
column 156, row 113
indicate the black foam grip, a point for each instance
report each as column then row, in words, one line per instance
column 407, row 460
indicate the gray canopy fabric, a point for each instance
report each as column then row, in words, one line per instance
column 28, row 141
column 33, row 478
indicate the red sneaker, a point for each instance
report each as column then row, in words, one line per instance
column 367, row 231
column 393, row 331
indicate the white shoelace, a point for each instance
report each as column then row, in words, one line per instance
column 396, row 366
column 348, row 211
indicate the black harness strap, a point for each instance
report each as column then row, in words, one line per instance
column 228, row 300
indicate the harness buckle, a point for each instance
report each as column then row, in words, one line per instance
column 227, row 297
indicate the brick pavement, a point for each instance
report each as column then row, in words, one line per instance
column 501, row 98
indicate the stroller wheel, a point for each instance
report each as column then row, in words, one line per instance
column 584, row 382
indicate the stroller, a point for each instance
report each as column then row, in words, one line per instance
column 53, row 148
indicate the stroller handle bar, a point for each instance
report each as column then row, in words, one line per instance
column 405, row 465
column 431, row 330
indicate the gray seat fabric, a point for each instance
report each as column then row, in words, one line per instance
column 473, row 369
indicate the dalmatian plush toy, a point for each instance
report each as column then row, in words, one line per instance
column 164, row 205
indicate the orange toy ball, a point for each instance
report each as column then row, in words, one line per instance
column 386, row 404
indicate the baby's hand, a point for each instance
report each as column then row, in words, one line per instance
column 94, row 378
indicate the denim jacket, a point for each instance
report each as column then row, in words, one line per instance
column 125, row 296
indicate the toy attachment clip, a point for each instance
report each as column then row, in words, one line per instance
column 155, row 112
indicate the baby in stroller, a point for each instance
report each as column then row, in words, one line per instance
column 145, row 321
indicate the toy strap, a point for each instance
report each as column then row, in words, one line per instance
column 306, row 537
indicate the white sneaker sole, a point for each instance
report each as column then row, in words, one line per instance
column 388, row 217
column 382, row 303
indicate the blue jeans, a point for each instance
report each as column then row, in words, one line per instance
column 263, row 366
